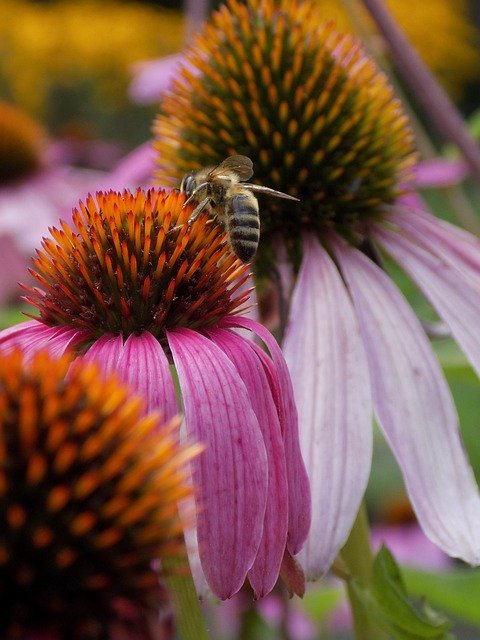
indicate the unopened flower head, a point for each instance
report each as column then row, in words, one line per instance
column 88, row 500
column 275, row 83
column 268, row 80
column 137, row 287
column 22, row 144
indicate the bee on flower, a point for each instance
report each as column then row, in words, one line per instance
column 120, row 288
column 271, row 80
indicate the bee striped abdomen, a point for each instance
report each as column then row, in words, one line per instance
column 244, row 225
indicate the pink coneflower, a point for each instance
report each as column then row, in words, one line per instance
column 34, row 190
column 137, row 289
column 272, row 82
column 88, row 503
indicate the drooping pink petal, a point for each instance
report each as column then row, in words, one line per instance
column 151, row 78
column 299, row 497
column 454, row 294
column 106, row 353
column 31, row 336
column 231, row 472
column 141, row 363
column 145, row 366
column 440, row 172
column 330, row 378
column 264, row 573
column 457, row 247
column 415, row 409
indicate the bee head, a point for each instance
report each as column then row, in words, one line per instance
column 189, row 184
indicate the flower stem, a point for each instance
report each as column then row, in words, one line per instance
column 357, row 556
column 188, row 614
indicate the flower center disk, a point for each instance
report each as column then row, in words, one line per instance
column 271, row 80
column 133, row 262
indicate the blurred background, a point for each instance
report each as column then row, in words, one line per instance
column 68, row 65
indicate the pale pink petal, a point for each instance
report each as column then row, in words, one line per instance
column 33, row 336
column 456, row 246
column 454, row 294
column 299, row 513
column 231, row 472
column 30, row 206
column 13, row 269
column 266, row 568
column 151, row 78
column 415, row 409
column 440, row 172
column 330, row 378
column 134, row 170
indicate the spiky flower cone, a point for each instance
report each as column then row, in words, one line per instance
column 270, row 80
column 132, row 263
column 88, row 494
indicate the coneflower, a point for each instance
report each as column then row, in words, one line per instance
column 88, row 502
column 270, row 80
column 137, row 288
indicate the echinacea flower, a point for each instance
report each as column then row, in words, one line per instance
column 319, row 121
column 88, row 502
column 137, row 288
column 34, row 190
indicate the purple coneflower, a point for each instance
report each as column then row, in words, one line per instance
column 35, row 188
column 88, row 503
column 270, row 80
column 136, row 288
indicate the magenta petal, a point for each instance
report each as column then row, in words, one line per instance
column 141, row 363
column 33, row 336
column 299, row 500
column 330, row 377
column 231, row 472
column 415, row 410
column 454, row 292
column 145, row 367
column 106, row 353
column 266, row 568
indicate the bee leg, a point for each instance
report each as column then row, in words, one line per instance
column 195, row 213
column 198, row 210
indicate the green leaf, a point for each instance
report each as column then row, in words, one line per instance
column 456, row 591
column 321, row 602
column 388, row 604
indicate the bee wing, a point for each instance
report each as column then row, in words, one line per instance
column 270, row 192
column 241, row 165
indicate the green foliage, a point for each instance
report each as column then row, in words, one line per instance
column 456, row 591
column 390, row 607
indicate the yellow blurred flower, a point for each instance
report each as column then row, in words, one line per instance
column 68, row 42
column 439, row 30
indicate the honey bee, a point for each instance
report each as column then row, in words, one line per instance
column 221, row 191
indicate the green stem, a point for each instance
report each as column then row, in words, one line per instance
column 357, row 556
column 188, row 614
